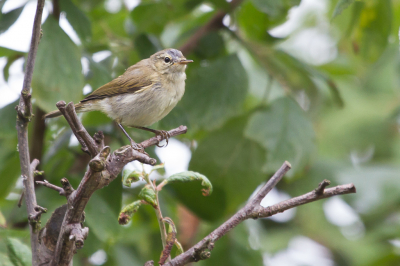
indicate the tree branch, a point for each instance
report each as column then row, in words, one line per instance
column 87, row 142
column 213, row 24
column 24, row 111
column 66, row 190
column 104, row 167
column 253, row 210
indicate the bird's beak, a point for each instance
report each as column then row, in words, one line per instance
column 184, row 62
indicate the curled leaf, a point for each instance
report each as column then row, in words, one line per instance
column 171, row 237
column 179, row 247
column 157, row 167
column 130, row 176
column 148, row 195
column 127, row 212
column 189, row 176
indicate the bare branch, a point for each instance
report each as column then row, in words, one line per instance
column 271, row 183
column 103, row 169
column 253, row 209
column 53, row 187
column 172, row 133
column 261, row 212
column 65, row 190
column 68, row 189
column 320, row 189
column 24, row 110
column 88, row 143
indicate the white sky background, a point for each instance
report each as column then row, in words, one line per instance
column 315, row 45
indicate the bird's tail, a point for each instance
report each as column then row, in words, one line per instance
column 55, row 113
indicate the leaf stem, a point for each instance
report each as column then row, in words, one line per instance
column 159, row 215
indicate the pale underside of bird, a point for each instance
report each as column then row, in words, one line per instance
column 143, row 95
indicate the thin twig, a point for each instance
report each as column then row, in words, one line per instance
column 45, row 183
column 158, row 212
column 270, row 184
column 172, row 133
column 262, row 212
column 253, row 210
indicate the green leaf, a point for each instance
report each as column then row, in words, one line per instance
column 9, row 52
column 159, row 12
column 8, row 118
column 232, row 163
column 340, row 6
column 147, row 194
column 286, row 133
column 214, row 93
column 179, row 248
column 211, row 46
column 58, row 70
column 256, row 17
column 101, row 220
column 112, row 194
column 146, row 45
column 5, row 260
column 253, row 22
column 78, row 20
column 127, row 212
column 275, row 9
column 99, row 74
column 9, row 167
column 189, row 176
column 7, row 19
column 19, row 253
column 289, row 71
column 129, row 176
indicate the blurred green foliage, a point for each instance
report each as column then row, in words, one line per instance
column 250, row 104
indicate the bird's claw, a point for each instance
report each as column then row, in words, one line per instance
column 138, row 147
column 165, row 135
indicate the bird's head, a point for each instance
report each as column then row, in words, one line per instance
column 169, row 61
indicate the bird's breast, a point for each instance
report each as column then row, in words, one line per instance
column 149, row 105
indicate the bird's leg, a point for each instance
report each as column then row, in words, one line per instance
column 134, row 145
column 161, row 133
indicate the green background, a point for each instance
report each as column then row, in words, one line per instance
column 252, row 101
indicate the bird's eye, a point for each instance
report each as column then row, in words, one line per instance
column 167, row 59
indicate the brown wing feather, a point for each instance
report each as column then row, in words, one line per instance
column 134, row 79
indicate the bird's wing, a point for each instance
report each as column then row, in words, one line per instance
column 134, row 80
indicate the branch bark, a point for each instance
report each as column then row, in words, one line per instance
column 253, row 210
column 24, row 111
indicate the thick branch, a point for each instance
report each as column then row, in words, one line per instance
column 24, row 110
column 253, row 210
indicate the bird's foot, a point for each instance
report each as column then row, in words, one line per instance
column 138, row 147
column 165, row 135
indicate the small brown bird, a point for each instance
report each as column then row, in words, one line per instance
column 143, row 95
